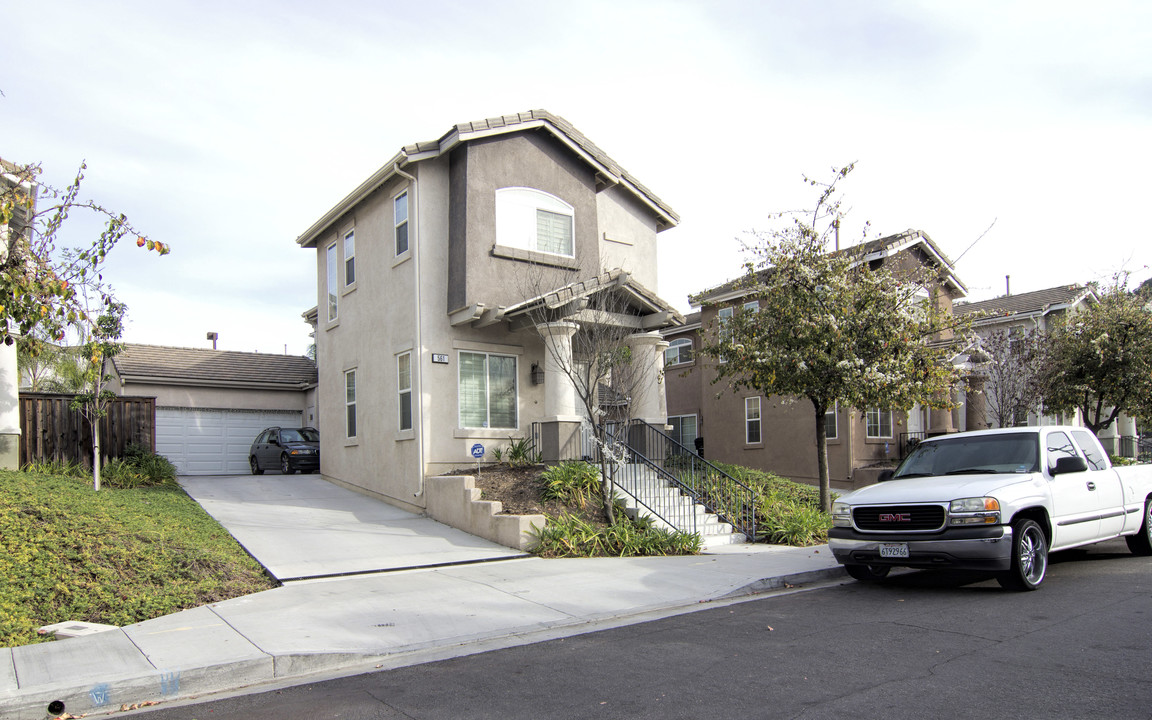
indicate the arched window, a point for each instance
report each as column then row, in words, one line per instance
column 534, row 220
column 679, row 351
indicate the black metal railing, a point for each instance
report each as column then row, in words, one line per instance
column 692, row 476
column 666, row 478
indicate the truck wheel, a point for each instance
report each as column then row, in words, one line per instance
column 867, row 573
column 1029, row 557
column 285, row 466
column 256, row 469
column 1141, row 542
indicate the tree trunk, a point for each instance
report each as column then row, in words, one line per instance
column 822, row 457
column 96, row 454
column 607, row 475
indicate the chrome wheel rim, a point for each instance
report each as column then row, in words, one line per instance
column 1033, row 559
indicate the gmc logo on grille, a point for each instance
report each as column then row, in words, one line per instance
column 895, row 517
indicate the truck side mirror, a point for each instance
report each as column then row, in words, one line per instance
column 1069, row 465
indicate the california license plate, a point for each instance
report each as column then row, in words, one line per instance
column 893, row 550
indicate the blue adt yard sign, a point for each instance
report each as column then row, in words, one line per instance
column 477, row 451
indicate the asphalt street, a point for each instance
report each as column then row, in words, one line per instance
column 921, row 645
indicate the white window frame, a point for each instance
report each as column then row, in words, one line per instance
column 679, row 437
column 403, row 389
column 753, row 417
column 835, row 416
column 874, row 418
column 399, row 223
column 724, row 314
column 349, row 257
column 674, row 353
column 487, row 424
column 332, row 281
column 350, row 418
column 517, row 219
column 751, row 306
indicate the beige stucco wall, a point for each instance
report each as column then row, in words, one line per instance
column 215, row 398
column 627, row 236
column 404, row 304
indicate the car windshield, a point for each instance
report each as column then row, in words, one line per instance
column 1001, row 453
column 302, row 435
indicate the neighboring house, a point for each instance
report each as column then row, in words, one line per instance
column 211, row 404
column 432, row 277
column 776, row 433
column 1040, row 310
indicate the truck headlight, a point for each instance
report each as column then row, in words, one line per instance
column 974, row 511
column 841, row 514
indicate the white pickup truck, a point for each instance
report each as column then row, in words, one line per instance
column 993, row 500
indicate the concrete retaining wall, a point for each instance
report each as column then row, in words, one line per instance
column 455, row 500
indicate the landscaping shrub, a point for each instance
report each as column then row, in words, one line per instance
column 569, row 535
column 574, row 483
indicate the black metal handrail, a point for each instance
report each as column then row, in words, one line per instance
column 718, row 492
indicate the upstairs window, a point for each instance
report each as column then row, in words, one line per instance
column 350, row 258
column 333, row 270
column 400, row 217
column 533, row 220
column 678, row 352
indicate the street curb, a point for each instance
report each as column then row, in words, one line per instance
column 765, row 585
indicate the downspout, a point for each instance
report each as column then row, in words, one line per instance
column 414, row 247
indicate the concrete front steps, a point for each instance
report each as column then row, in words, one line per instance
column 645, row 493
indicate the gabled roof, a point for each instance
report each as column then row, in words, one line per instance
column 159, row 365
column 646, row 310
column 864, row 252
column 608, row 170
column 1039, row 302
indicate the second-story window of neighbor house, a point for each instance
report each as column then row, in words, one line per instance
column 487, row 390
column 350, row 258
column 400, row 217
column 333, row 270
column 404, row 385
column 752, row 420
column 678, row 352
column 350, row 402
column 533, row 220
column 724, row 314
column 879, row 423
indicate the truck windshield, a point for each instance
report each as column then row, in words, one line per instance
column 1001, row 453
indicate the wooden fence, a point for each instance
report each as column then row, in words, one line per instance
column 51, row 430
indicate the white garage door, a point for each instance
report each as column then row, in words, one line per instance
column 213, row 442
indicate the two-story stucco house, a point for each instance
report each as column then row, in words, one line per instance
column 775, row 433
column 432, row 276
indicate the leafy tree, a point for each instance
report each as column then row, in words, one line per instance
column 103, row 344
column 1014, row 361
column 831, row 329
column 40, row 282
column 1100, row 360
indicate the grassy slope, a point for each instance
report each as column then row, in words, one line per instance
column 116, row 557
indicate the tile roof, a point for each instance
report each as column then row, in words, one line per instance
column 1038, row 301
column 887, row 245
column 463, row 132
column 177, row 366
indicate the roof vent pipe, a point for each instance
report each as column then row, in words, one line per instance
column 1008, row 285
column 212, row 336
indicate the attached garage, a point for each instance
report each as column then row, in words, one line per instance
column 214, row 442
column 211, row 404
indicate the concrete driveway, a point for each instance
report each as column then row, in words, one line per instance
column 301, row 527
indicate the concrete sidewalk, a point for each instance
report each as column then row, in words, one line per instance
column 355, row 624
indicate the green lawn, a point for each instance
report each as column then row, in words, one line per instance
column 116, row 557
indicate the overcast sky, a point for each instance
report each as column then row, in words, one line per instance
column 226, row 128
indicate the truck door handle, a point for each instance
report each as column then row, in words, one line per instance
column 1091, row 486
